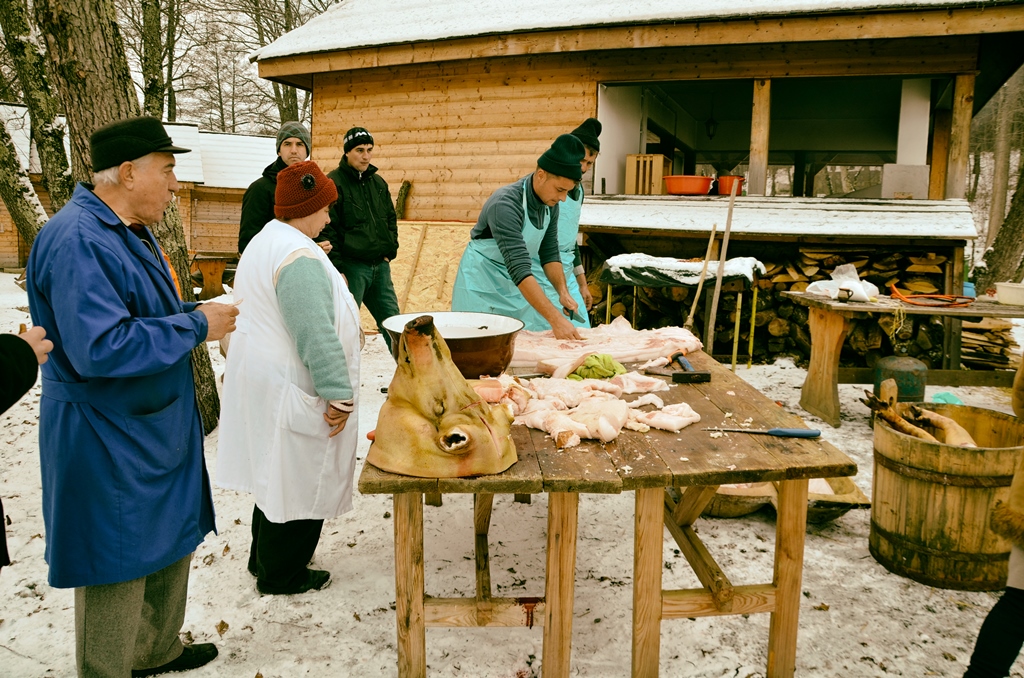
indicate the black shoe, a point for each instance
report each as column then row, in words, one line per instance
column 191, row 657
column 315, row 580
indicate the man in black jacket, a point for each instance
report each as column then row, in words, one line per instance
column 364, row 229
column 293, row 145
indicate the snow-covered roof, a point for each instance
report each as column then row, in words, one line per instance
column 373, row 23
column 217, row 160
column 783, row 217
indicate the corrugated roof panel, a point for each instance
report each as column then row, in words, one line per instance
column 233, row 160
column 189, row 166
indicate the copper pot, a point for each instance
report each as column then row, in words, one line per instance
column 481, row 344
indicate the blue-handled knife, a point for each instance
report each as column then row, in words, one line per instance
column 778, row 432
column 572, row 315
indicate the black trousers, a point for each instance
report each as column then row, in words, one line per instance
column 280, row 552
column 1000, row 638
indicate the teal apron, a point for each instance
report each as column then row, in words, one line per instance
column 484, row 285
column 568, row 228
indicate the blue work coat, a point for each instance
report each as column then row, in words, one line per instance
column 125, row 487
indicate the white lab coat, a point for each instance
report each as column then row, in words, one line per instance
column 273, row 438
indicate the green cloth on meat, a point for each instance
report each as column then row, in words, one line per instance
column 598, row 366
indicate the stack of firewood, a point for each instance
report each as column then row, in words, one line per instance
column 988, row 345
column 780, row 326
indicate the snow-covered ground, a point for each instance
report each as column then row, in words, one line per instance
column 857, row 620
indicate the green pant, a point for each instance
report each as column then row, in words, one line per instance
column 132, row 624
column 371, row 284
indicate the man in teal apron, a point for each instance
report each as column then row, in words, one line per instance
column 497, row 272
column 569, row 228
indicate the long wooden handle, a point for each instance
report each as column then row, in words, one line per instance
column 700, row 281
column 709, row 342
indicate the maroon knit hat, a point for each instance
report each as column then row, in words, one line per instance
column 302, row 189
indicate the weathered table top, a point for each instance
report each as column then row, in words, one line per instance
column 657, row 458
column 983, row 307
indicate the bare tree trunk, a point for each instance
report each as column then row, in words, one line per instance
column 152, row 60
column 43, row 106
column 16, row 190
column 170, row 45
column 972, row 192
column 1001, row 165
column 87, row 54
column 87, row 51
column 1003, row 259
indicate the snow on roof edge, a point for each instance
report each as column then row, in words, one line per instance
column 297, row 42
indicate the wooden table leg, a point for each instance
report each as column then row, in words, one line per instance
column 820, row 393
column 412, row 637
column 213, row 276
column 647, row 556
column 560, row 586
column 790, row 529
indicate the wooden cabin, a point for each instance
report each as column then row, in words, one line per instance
column 213, row 178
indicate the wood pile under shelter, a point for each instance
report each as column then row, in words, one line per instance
column 916, row 246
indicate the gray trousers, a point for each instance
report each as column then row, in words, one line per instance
column 132, row 624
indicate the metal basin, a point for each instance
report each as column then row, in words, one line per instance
column 481, row 344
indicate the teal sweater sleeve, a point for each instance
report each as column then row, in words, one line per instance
column 307, row 304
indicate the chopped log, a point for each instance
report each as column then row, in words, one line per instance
column 765, row 283
column 776, row 345
column 784, row 310
column 678, row 294
column 801, row 286
column 618, row 309
column 921, row 285
column 801, row 337
column 779, row 327
column 923, row 268
column 809, row 270
column 923, row 339
column 930, row 259
column 800, row 315
column 596, row 291
column 762, row 318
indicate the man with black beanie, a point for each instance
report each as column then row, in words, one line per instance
column 513, row 249
column 364, row 229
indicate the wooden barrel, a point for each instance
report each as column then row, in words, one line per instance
column 930, row 501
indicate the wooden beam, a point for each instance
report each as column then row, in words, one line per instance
column 682, row 604
column 826, row 28
column 647, row 559
column 704, row 566
column 790, row 533
column 467, row 612
column 759, row 130
column 960, row 136
column 482, row 503
column 692, row 503
column 412, row 637
column 560, row 582
column 939, row 154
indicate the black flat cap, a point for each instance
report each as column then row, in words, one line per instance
column 127, row 140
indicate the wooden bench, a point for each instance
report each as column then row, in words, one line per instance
column 648, row 464
column 829, row 323
column 212, row 266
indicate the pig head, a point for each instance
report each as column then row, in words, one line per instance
column 433, row 424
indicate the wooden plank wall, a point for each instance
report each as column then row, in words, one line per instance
column 13, row 252
column 459, row 129
column 456, row 131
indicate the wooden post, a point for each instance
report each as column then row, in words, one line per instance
column 960, row 136
column 820, row 393
column 789, row 564
column 482, row 503
column 736, row 329
column 412, row 636
column 939, row 154
column 560, row 584
column 753, row 317
column 799, row 174
column 953, row 284
column 759, row 126
column 647, row 556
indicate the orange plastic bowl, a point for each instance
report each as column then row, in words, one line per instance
column 687, row 184
column 725, row 185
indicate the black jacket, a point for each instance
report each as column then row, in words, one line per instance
column 258, row 204
column 363, row 225
column 18, row 370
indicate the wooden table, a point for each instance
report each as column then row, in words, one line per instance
column 212, row 265
column 829, row 323
column 648, row 464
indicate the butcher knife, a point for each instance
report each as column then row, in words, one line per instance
column 572, row 315
column 777, row 432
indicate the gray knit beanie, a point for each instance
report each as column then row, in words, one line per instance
column 296, row 129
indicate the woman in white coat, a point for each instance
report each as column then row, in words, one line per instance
column 290, row 386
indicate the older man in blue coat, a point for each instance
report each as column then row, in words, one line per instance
column 126, row 496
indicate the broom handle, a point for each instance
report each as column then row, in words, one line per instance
column 700, row 281
column 710, row 343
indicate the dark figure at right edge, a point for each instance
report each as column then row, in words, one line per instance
column 1002, row 633
column 364, row 229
